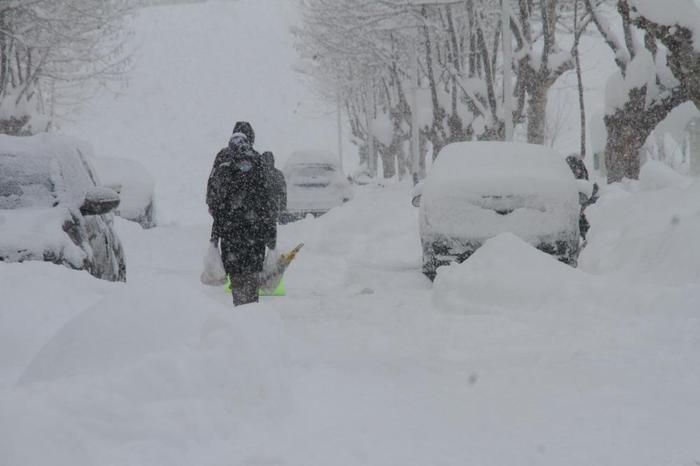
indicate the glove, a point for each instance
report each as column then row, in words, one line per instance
column 272, row 244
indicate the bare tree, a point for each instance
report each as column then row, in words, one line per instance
column 52, row 55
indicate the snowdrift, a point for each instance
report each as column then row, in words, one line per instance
column 643, row 233
column 153, row 367
column 533, row 279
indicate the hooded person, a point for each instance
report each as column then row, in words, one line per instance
column 242, row 204
column 242, row 127
column 277, row 183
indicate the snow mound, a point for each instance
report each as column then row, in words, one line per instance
column 532, row 278
column 649, row 235
column 657, row 175
column 28, row 318
column 164, row 340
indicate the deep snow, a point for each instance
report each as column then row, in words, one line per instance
column 512, row 357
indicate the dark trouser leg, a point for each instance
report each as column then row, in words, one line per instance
column 244, row 288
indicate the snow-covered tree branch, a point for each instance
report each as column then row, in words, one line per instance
column 645, row 89
column 53, row 54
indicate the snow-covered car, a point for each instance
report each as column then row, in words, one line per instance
column 53, row 208
column 315, row 184
column 135, row 186
column 477, row 190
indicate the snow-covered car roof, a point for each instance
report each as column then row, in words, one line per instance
column 41, row 170
column 484, row 168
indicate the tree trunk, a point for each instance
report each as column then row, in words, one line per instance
column 403, row 163
column 537, row 112
column 628, row 129
column 364, row 155
column 423, row 155
column 622, row 148
column 389, row 162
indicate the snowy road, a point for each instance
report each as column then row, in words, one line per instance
column 512, row 358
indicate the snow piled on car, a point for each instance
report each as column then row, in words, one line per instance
column 477, row 190
column 60, row 154
column 38, row 234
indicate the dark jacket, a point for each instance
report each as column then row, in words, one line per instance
column 277, row 181
column 243, row 208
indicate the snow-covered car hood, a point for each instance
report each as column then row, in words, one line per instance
column 39, row 234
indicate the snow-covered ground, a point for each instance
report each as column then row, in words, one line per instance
column 510, row 358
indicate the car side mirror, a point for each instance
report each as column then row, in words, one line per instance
column 416, row 200
column 99, row 201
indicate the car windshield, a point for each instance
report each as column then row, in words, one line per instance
column 25, row 182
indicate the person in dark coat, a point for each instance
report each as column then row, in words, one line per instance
column 240, row 199
column 278, row 183
column 246, row 129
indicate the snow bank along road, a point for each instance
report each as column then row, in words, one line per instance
column 509, row 358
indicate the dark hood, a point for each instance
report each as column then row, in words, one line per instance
column 245, row 128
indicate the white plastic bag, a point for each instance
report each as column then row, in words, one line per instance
column 272, row 272
column 214, row 273
column 274, row 267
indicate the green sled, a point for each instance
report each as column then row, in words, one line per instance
column 280, row 291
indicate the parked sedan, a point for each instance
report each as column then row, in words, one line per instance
column 315, row 184
column 52, row 207
column 477, row 190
